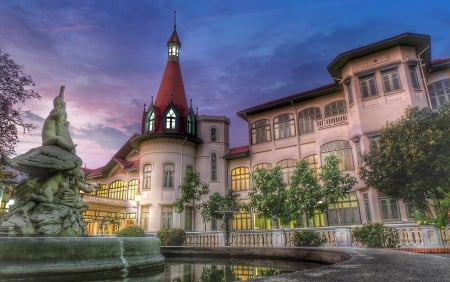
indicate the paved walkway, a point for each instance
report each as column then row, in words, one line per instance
column 376, row 265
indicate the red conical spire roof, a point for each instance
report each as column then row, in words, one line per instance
column 171, row 89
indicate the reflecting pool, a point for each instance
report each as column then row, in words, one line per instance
column 189, row 269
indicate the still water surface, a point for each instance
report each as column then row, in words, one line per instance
column 227, row 269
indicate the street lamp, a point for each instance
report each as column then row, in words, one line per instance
column 137, row 198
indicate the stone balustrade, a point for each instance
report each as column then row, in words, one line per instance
column 410, row 235
column 332, row 121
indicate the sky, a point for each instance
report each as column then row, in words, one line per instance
column 236, row 54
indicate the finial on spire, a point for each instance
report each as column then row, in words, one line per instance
column 175, row 20
column 151, row 102
column 144, row 107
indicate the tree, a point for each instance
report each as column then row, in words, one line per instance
column 309, row 193
column 222, row 207
column 14, row 91
column 412, row 158
column 268, row 195
column 192, row 190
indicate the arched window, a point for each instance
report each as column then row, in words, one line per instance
column 171, row 119
column 191, row 124
column 307, row 118
column 340, row 149
column 118, row 190
column 147, row 177
column 265, row 166
column 439, row 93
column 132, row 188
column 240, row 179
column 313, row 162
column 150, row 121
column 287, row 168
column 261, row 131
column 213, row 166
column 103, row 191
column 284, row 126
column 335, row 108
column 169, row 174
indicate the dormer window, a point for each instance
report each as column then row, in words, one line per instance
column 150, row 121
column 171, row 119
column 190, row 124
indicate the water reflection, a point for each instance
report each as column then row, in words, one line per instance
column 226, row 269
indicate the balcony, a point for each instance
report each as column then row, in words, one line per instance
column 332, row 121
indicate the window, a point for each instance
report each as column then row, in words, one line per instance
column 168, row 172
column 413, row 75
column 368, row 86
column 287, row 169
column 188, row 212
column 213, row 166
column 240, row 179
column 391, row 80
column 439, row 93
column 335, row 108
column 313, row 162
column 150, row 121
column 284, row 126
column 132, row 188
column 348, row 86
column 345, row 211
column 103, row 191
column 213, row 134
column 307, row 118
column 147, row 177
column 191, row 124
column 242, row 221
column 389, row 209
column 340, row 149
column 359, row 156
column 166, row 217
column 373, row 141
column 367, row 207
column 265, row 166
column 171, row 119
column 261, row 131
column 118, row 190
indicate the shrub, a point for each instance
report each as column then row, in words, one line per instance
column 131, row 231
column 171, row 236
column 308, row 238
column 376, row 235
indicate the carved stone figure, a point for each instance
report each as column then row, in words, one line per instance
column 48, row 202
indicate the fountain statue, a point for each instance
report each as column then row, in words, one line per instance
column 48, row 202
column 47, row 210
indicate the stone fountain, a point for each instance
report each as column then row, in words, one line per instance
column 44, row 234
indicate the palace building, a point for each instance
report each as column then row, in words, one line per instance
column 371, row 85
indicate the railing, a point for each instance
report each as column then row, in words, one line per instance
column 410, row 235
column 332, row 121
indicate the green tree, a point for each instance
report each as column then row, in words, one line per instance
column 309, row 192
column 14, row 91
column 268, row 196
column 412, row 158
column 192, row 190
column 222, row 208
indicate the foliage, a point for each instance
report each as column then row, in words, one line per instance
column 171, row 236
column 441, row 219
column 308, row 192
column 218, row 203
column 268, row 196
column 131, row 231
column 308, row 238
column 14, row 91
column 213, row 273
column 376, row 235
column 192, row 190
column 412, row 158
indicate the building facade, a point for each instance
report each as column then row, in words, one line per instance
column 372, row 85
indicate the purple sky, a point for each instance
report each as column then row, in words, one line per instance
column 235, row 54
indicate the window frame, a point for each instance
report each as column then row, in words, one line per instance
column 147, row 177
column 390, row 78
column 307, row 119
column 261, row 131
column 168, row 176
column 335, row 108
column 213, row 167
column 368, row 86
column 342, row 150
column 240, row 178
column 213, row 134
column 284, row 126
column 415, row 83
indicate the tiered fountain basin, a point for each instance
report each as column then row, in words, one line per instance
column 61, row 258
